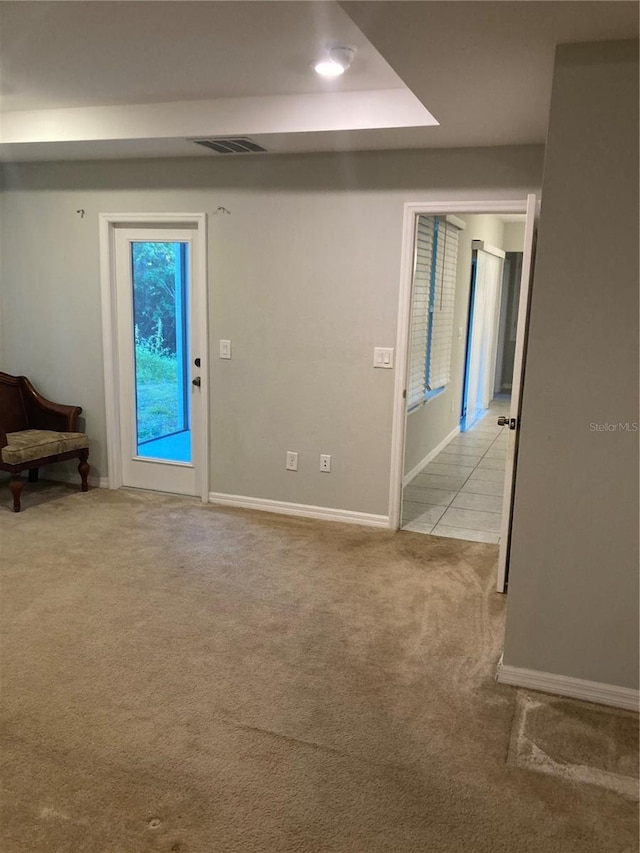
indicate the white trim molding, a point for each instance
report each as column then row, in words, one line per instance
column 345, row 516
column 564, row 685
column 481, row 245
column 429, row 457
column 74, row 479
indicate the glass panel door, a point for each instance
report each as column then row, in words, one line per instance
column 160, row 287
column 160, row 322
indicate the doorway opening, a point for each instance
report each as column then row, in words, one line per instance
column 456, row 470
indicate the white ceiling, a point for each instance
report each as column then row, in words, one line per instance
column 75, row 54
column 484, row 68
column 141, row 78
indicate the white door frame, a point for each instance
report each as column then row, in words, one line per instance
column 108, row 222
column 411, row 209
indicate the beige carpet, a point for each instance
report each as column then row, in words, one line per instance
column 190, row 679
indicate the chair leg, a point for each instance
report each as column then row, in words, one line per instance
column 15, row 484
column 83, row 469
column 33, row 475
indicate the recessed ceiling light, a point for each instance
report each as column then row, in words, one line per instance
column 335, row 61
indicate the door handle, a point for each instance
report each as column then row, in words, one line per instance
column 510, row 422
column 196, row 381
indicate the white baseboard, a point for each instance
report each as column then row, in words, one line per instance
column 429, row 457
column 564, row 685
column 346, row 516
column 59, row 477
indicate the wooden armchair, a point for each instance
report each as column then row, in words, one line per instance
column 35, row 432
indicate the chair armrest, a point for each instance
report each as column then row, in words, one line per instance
column 45, row 414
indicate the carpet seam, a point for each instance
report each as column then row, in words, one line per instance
column 319, row 746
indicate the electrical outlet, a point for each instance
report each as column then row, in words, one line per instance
column 291, row 463
column 325, row 463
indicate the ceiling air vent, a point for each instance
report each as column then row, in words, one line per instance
column 231, row 145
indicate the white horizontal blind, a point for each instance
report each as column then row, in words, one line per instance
column 432, row 304
column 422, row 271
column 443, row 296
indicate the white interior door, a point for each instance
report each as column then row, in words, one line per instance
column 473, row 402
column 495, row 267
column 484, row 328
column 160, row 357
column 513, row 425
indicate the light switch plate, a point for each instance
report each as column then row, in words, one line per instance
column 225, row 349
column 383, row 357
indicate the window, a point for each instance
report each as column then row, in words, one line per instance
column 159, row 280
column 432, row 303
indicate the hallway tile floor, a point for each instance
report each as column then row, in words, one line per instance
column 459, row 494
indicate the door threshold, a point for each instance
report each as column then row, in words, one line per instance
column 158, row 492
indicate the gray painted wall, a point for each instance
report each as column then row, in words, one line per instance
column 303, row 278
column 429, row 425
column 513, row 236
column 573, row 590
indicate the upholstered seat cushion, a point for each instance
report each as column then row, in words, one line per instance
column 29, row 444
